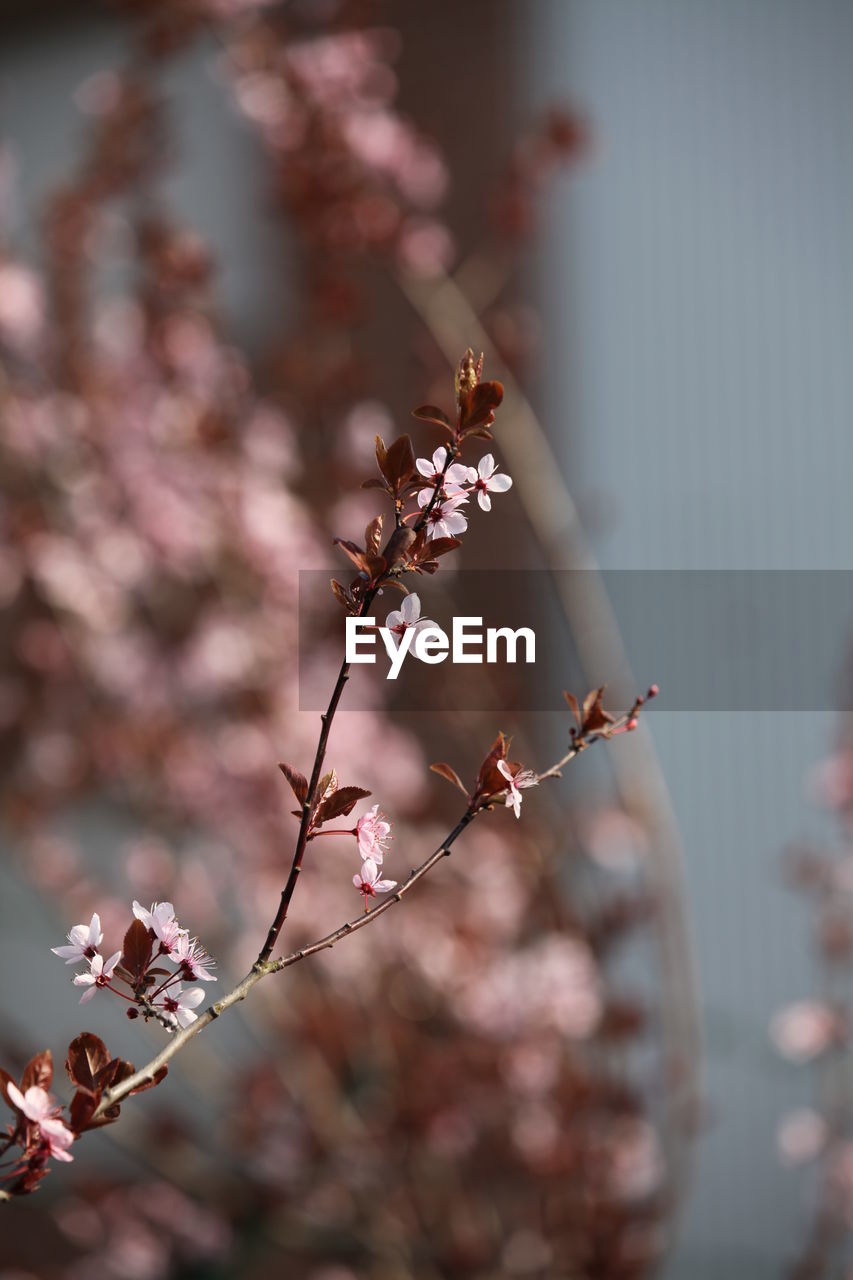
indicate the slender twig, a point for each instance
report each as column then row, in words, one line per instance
column 310, row 801
column 263, row 969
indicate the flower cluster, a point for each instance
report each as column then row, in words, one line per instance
column 429, row 494
column 372, row 832
column 40, row 1118
column 154, row 936
column 449, row 488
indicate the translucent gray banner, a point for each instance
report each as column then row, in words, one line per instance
column 714, row 640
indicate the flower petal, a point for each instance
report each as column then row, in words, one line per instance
column 411, row 609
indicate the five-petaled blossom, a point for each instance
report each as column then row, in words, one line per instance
column 445, row 520
column 368, row 881
column 515, row 784
column 99, row 975
column 487, row 482
column 457, row 474
column 38, row 1107
column 179, row 1004
column 192, row 959
column 84, row 939
column 407, row 617
column 162, row 923
column 373, row 831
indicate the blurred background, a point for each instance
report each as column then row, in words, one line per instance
column 236, row 241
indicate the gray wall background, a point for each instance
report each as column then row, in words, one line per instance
column 697, row 279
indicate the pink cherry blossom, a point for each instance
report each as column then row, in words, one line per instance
column 373, row 831
column 407, row 617
column 455, row 477
column 192, row 959
column 39, row 1108
column 161, row 921
column 486, row 482
column 445, row 520
column 804, row 1030
column 179, row 1004
column 801, row 1136
column 516, row 783
column 99, row 975
column 368, row 881
column 84, row 940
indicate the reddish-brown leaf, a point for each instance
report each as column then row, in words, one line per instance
column 339, row 804
column 595, row 718
column 573, row 706
column 136, row 950
column 298, row 781
column 400, row 463
column 343, row 596
column 158, row 1077
column 355, row 553
column 81, row 1110
column 479, row 410
column 38, row 1071
column 441, row 546
column 429, row 413
column 87, row 1058
column 489, row 780
column 447, row 771
column 5, row 1081
column 373, row 536
column 382, row 457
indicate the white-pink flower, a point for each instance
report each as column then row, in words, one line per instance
column 192, row 959
column 804, row 1030
column 39, row 1108
column 407, row 617
column 373, row 831
column 486, row 482
column 84, row 940
column 99, row 975
column 516, row 784
column 445, row 520
column 801, row 1136
column 368, row 881
column 161, row 921
column 456, row 476
column 179, row 1004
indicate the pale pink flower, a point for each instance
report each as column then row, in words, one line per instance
column 39, row 1108
column 801, row 1136
column 373, row 831
column 84, row 940
column 368, row 881
column 486, row 482
column 179, row 1003
column 445, row 520
column 516, row 784
column 407, row 617
column 192, row 959
column 161, row 921
column 456, row 476
column 99, row 975
column 803, row 1030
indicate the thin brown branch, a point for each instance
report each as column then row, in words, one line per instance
column 262, row 969
column 310, row 801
